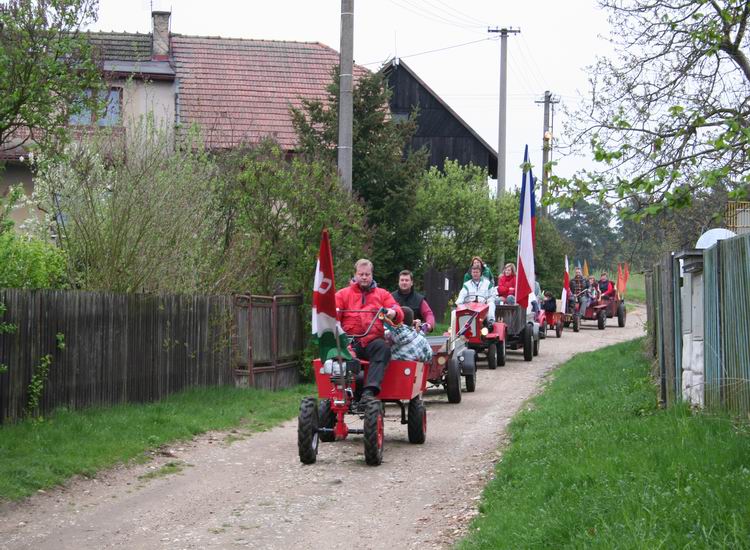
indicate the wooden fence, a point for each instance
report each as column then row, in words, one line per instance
column 109, row 348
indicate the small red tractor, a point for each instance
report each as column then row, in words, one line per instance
column 472, row 331
column 451, row 362
column 340, row 384
column 550, row 320
column 522, row 329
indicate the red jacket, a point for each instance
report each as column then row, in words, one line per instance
column 504, row 284
column 372, row 299
column 608, row 290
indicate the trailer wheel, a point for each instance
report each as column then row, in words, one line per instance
column 307, row 431
column 621, row 315
column 558, row 328
column 471, row 382
column 576, row 323
column 373, row 432
column 601, row 319
column 417, row 421
column 492, row 355
column 453, row 381
column 470, row 365
column 327, row 419
column 536, row 347
column 528, row 343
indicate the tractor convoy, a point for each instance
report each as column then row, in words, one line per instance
column 473, row 336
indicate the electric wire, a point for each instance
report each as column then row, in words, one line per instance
column 431, row 51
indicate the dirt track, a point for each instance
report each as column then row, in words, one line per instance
column 254, row 493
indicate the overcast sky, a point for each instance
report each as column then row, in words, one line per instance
column 557, row 40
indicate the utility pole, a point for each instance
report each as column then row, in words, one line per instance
column 501, row 130
column 503, row 105
column 549, row 103
column 346, row 106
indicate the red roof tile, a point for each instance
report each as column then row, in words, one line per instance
column 241, row 90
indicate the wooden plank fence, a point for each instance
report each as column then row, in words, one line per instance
column 122, row 348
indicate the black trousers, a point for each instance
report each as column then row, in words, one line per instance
column 378, row 354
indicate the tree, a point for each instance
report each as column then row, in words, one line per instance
column 670, row 113
column 385, row 172
column 457, row 210
column 589, row 229
column 47, row 66
column 273, row 212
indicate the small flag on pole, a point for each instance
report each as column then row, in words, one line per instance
column 326, row 330
column 585, row 269
column 566, row 285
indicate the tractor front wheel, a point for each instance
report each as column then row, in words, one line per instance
column 307, row 431
column 501, row 353
column 453, row 381
column 601, row 319
column 373, row 432
column 327, row 419
column 417, row 421
column 492, row 355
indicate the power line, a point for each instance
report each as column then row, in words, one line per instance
column 431, row 51
column 462, row 17
column 433, row 17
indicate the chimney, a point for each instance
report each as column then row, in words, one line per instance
column 160, row 36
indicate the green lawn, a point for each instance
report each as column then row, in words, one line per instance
column 593, row 463
column 40, row 454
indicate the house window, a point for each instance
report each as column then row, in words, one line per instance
column 111, row 115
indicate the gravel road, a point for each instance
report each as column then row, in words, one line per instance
column 239, row 491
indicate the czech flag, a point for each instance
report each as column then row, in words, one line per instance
column 526, row 235
column 326, row 330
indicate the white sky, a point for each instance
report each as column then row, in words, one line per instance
column 557, row 40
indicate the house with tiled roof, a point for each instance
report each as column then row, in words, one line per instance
column 240, row 91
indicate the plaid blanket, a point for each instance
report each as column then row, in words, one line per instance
column 408, row 344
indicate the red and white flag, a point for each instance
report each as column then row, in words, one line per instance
column 526, row 236
column 326, row 330
column 566, row 284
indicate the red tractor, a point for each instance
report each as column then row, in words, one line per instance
column 340, row 386
column 471, row 330
column 550, row 320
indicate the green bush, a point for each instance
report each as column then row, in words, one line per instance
column 31, row 263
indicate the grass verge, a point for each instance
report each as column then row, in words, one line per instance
column 593, row 463
column 41, row 454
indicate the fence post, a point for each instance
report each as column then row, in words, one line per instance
column 275, row 341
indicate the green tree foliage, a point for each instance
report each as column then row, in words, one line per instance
column 46, row 66
column 130, row 214
column 669, row 113
column 458, row 216
column 549, row 255
column 385, row 172
column 30, row 263
column 273, row 212
column 589, row 229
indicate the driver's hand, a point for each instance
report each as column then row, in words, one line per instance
column 390, row 313
column 417, row 324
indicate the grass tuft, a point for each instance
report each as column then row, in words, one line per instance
column 41, row 454
column 594, row 463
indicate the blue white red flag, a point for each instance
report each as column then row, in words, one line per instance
column 566, row 285
column 526, row 235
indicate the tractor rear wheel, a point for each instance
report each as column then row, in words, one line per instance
column 601, row 319
column 576, row 323
column 453, row 381
column 417, row 421
column 558, row 328
column 621, row 314
column 327, row 419
column 528, row 343
column 373, row 432
column 307, row 431
column 492, row 355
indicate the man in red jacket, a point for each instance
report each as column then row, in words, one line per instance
column 357, row 304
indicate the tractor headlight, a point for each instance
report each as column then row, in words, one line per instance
column 441, row 360
column 485, row 331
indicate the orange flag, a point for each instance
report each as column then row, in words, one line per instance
column 585, row 269
column 620, row 280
